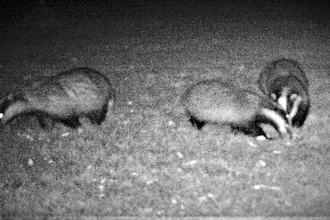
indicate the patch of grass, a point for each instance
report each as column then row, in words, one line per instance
column 141, row 164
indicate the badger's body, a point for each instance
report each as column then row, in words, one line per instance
column 285, row 82
column 65, row 97
column 213, row 101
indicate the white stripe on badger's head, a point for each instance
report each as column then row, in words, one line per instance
column 4, row 104
column 273, row 96
column 2, row 101
column 282, row 125
column 14, row 110
column 296, row 99
column 283, row 99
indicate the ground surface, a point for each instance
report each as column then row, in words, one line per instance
column 146, row 159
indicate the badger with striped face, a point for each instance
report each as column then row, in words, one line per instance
column 214, row 101
column 65, row 97
column 286, row 83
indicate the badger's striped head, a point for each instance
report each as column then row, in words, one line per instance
column 11, row 106
column 281, row 97
column 4, row 104
column 277, row 119
column 295, row 101
column 289, row 93
column 289, row 102
column 1, row 107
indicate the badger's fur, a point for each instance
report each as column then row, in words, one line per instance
column 285, row 82
column 65, row 97
column 214, row 101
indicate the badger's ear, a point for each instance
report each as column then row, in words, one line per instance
column 293, row 97
column 10, row 96
column 273, row 96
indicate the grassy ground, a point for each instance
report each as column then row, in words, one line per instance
column 146, row 159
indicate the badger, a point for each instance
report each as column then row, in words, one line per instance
column 285, row 82
column 65, row 97
column 215, row 101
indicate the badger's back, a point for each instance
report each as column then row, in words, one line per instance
column 285, row 69
column 220, row 102
column 84, row 89
column 75, row 91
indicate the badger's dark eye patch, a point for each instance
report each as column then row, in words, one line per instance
column 4, row 105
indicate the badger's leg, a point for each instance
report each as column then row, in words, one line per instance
column 252, row 128
column 98, row 117
column 256, row 130
column 42, row 119
column 72, row 121
column 197, row 123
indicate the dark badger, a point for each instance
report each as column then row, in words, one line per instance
column 214, row 101
column 285, row 82
column 65, row 97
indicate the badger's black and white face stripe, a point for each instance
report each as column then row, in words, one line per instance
column 12, row 106
column 289, row 102
column 292, row 97
column 277, row 120
column 283, row 99
column 295, row 100
column 286, row 83
column 4, row 105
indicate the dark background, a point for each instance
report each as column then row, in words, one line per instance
column 13, row 10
